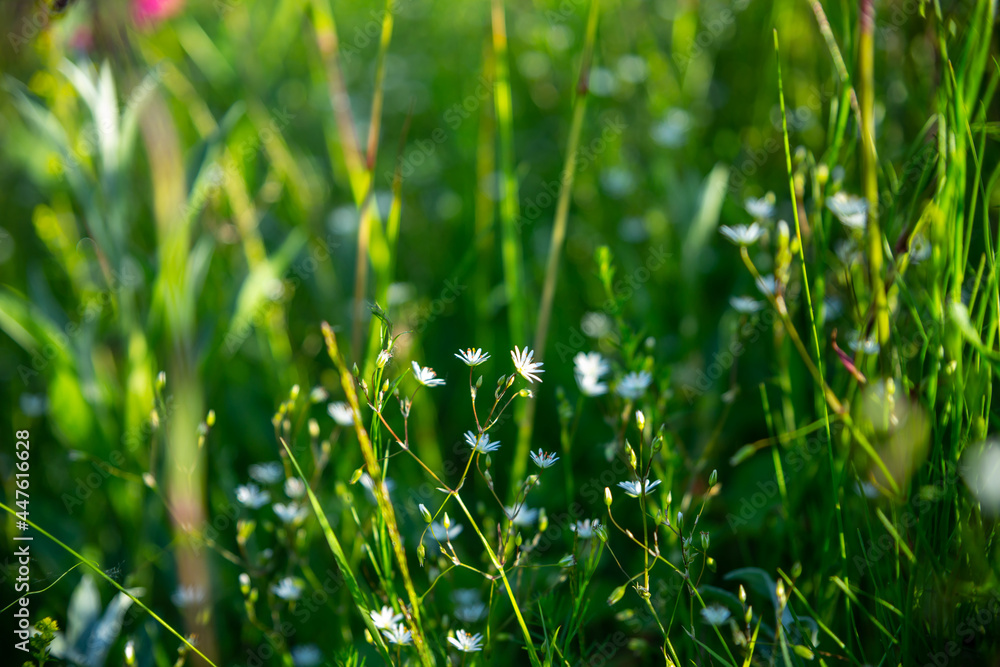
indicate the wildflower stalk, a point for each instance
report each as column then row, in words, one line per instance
column 558, row 234
column 378, row 488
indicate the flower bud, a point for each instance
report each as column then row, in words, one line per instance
column 616, row 595
column 705, row 540
column 713, row 478
column 357, row 475
column 425, row 513
column 742, row 595
column 294, row 395
column 313, row 428
column 640, row 420
column 607, row 497
column 161, row 381
column 210, row 419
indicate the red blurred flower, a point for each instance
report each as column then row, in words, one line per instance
column 147, row 13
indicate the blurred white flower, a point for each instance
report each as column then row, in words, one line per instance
column 634, row 385
column 267, row 473
column 595, row 325
column 250, row 495
column 426, row 376
column 463, row 641
column 745, row 305
column 981, row 469
column 481, row 443
column 524, row 365
column 442, row 535
column 469, row 607
column 742, row 235
column 521, row 516
column 318, row 395
column 715, row 614
column 287, row 589
column 766, row 285
column 587, row 528
column 473, row 357
column 369, row 484
column 858, row 343
column 186, row 596
column 398, row 635
column 385, row 618
column 762, row 208
column 588, row 369
column 294, row 487
column 306, row 655
column 341, row 413
column 850, row 210
column 290, row 513
column 634, row 489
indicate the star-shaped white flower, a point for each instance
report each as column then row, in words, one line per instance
column 481, row 443
column 524, row 365
column 251, row 496
column 742, row 235
column 543, row 459
column 386, row 618
column 850, row 210
column 634, row 489
column 397, row 635
column 587, row 528
column 426, row 376
column 287, row 589
column 267, row 473
column 473, row 357
column 463, row 641
column 634, row 385
column 762, row 208
column 745, row 305
column 588, row 369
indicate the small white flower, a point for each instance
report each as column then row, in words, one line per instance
column 318, row 395
column 426, row 376
column 341, row 413
column 762, row 208
column 469, row 608
column 521, row 516
column 633, row 489
column 595, row 325
column 634, row 385
column 742, row 235
column 867, row 346
column 306, row 655
column 294, row 487
column 544, row 459
column 366, row 481
column 588, row 369
column 383, row 358
column 850, row 210
column 524, row 365
column 290, row 513
column 745, row 304
column 766, row 285
column 267, row 473
column 715, row 614
column 587, row 528
column 251, row 496
column 385, row 618
column 398, row 635
column 481, row 443
column 445, row 535
column 473, row 357
column 463, row 641
column 186, row 596
column 287, row 589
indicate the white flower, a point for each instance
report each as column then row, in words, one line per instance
column 634, row 489
column 290, row 513
column 587, row 528
column 766, row 285
column 318, row 395
column 588, row 370
column 267, row 473
column 521, row 516
column 742, row 235
column 543, row 459
column 864, row 345
column 287, row 589
column 745, row 304
column 366, row 481
column 251, row 496
column 386, row 618
column 398, row 635
column 383, row 358
column 524, row 365
column 188, row 595
column 463, row 641
column 481, row 443
column 469, row 608
column 634, row 385
column 426, row 376
column 341, row 413
column 473, row 357
column 595, row 325
column 850, row 210
column 306, row 655
column 715, row 614
column 445, row 535
column 294, row 487
column 760, row 209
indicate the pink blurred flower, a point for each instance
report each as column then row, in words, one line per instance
column 148, row 13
